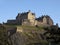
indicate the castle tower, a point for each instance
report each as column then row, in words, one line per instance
column 26, row 17
column 47, row 20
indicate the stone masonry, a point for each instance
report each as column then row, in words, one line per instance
column 28, row 18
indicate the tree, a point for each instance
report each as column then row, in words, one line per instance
column 52, row 34
column 3, row 35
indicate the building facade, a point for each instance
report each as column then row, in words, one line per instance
column 28, row 18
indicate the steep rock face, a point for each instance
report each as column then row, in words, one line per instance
column 25, row 37
column 17, row 39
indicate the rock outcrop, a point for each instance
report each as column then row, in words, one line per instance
column 26, row 36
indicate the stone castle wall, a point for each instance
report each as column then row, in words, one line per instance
column 28, row 18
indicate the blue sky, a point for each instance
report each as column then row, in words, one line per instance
column 10, row 8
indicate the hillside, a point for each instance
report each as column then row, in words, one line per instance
column 3, row 35
column 28, row 35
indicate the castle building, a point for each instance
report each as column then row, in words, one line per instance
column 28, row 18
column 44, row 20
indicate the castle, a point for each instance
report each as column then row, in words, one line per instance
column 28, row 18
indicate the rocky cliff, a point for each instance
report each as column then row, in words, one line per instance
column 28, row 36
